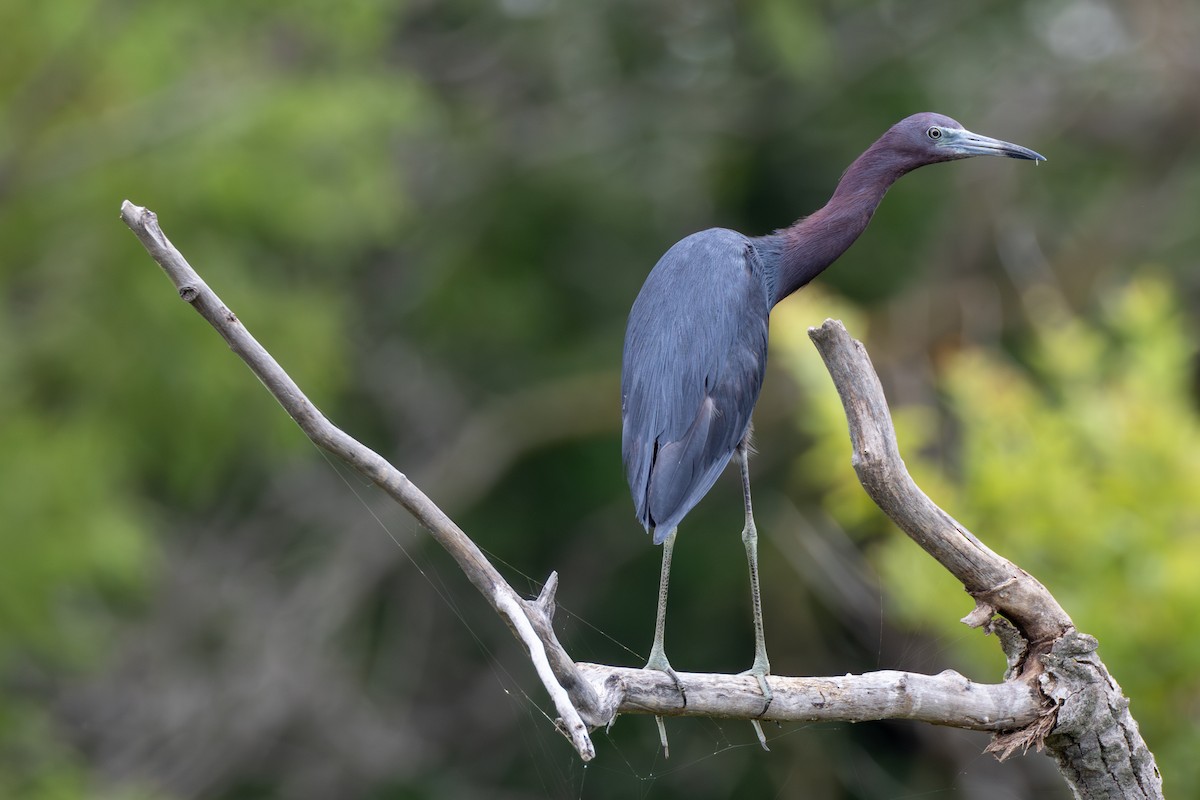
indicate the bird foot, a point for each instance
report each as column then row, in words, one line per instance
column 758, row 731
column 761, row 670
column 658, row 661
column 662, row 736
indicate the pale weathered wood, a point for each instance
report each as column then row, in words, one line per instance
column 1096, row 742
column 1089, row 731
column 995, row 582
column 1057, row 692
column 947, row 698
column 193, row 290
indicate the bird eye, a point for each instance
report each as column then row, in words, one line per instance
column 934, row 133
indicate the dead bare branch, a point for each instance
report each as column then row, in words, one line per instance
column 1086, row 724
column 1057, row 692
column 947, row 698
column 502, row 597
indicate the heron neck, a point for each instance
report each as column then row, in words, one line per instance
column 811, row 244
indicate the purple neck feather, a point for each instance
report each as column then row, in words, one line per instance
column 803, row 250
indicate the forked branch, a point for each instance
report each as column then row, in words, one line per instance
column 1057, row 691
column 1087, row 727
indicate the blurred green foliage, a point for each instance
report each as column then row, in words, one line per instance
column 1080, row 461
column 118, row 400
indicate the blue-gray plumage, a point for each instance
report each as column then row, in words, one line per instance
column 694, row 363
column 696, row 342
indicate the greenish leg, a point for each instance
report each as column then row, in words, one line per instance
column 658, row 656
column 761, row 667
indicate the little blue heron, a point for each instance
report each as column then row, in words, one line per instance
column 696, row 344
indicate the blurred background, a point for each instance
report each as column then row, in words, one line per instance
column 436, row 215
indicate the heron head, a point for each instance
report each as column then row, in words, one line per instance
column 930, row 138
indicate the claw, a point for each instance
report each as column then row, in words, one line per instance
column 662, row 736
column 767, row 694
column 762, row 738
column 658, row 661
column 760, row 670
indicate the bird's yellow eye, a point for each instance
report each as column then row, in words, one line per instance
column 934, row 133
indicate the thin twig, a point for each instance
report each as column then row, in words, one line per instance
column 502, row 597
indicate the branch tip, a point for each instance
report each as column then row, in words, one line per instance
column 543, row 647
column 830, row 327
column 545, row 599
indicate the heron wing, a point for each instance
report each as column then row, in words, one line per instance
column 695, row 354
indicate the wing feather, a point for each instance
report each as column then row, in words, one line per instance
column 695, row 355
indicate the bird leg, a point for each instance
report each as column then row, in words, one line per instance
column 761, row 667
column 658, row 656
